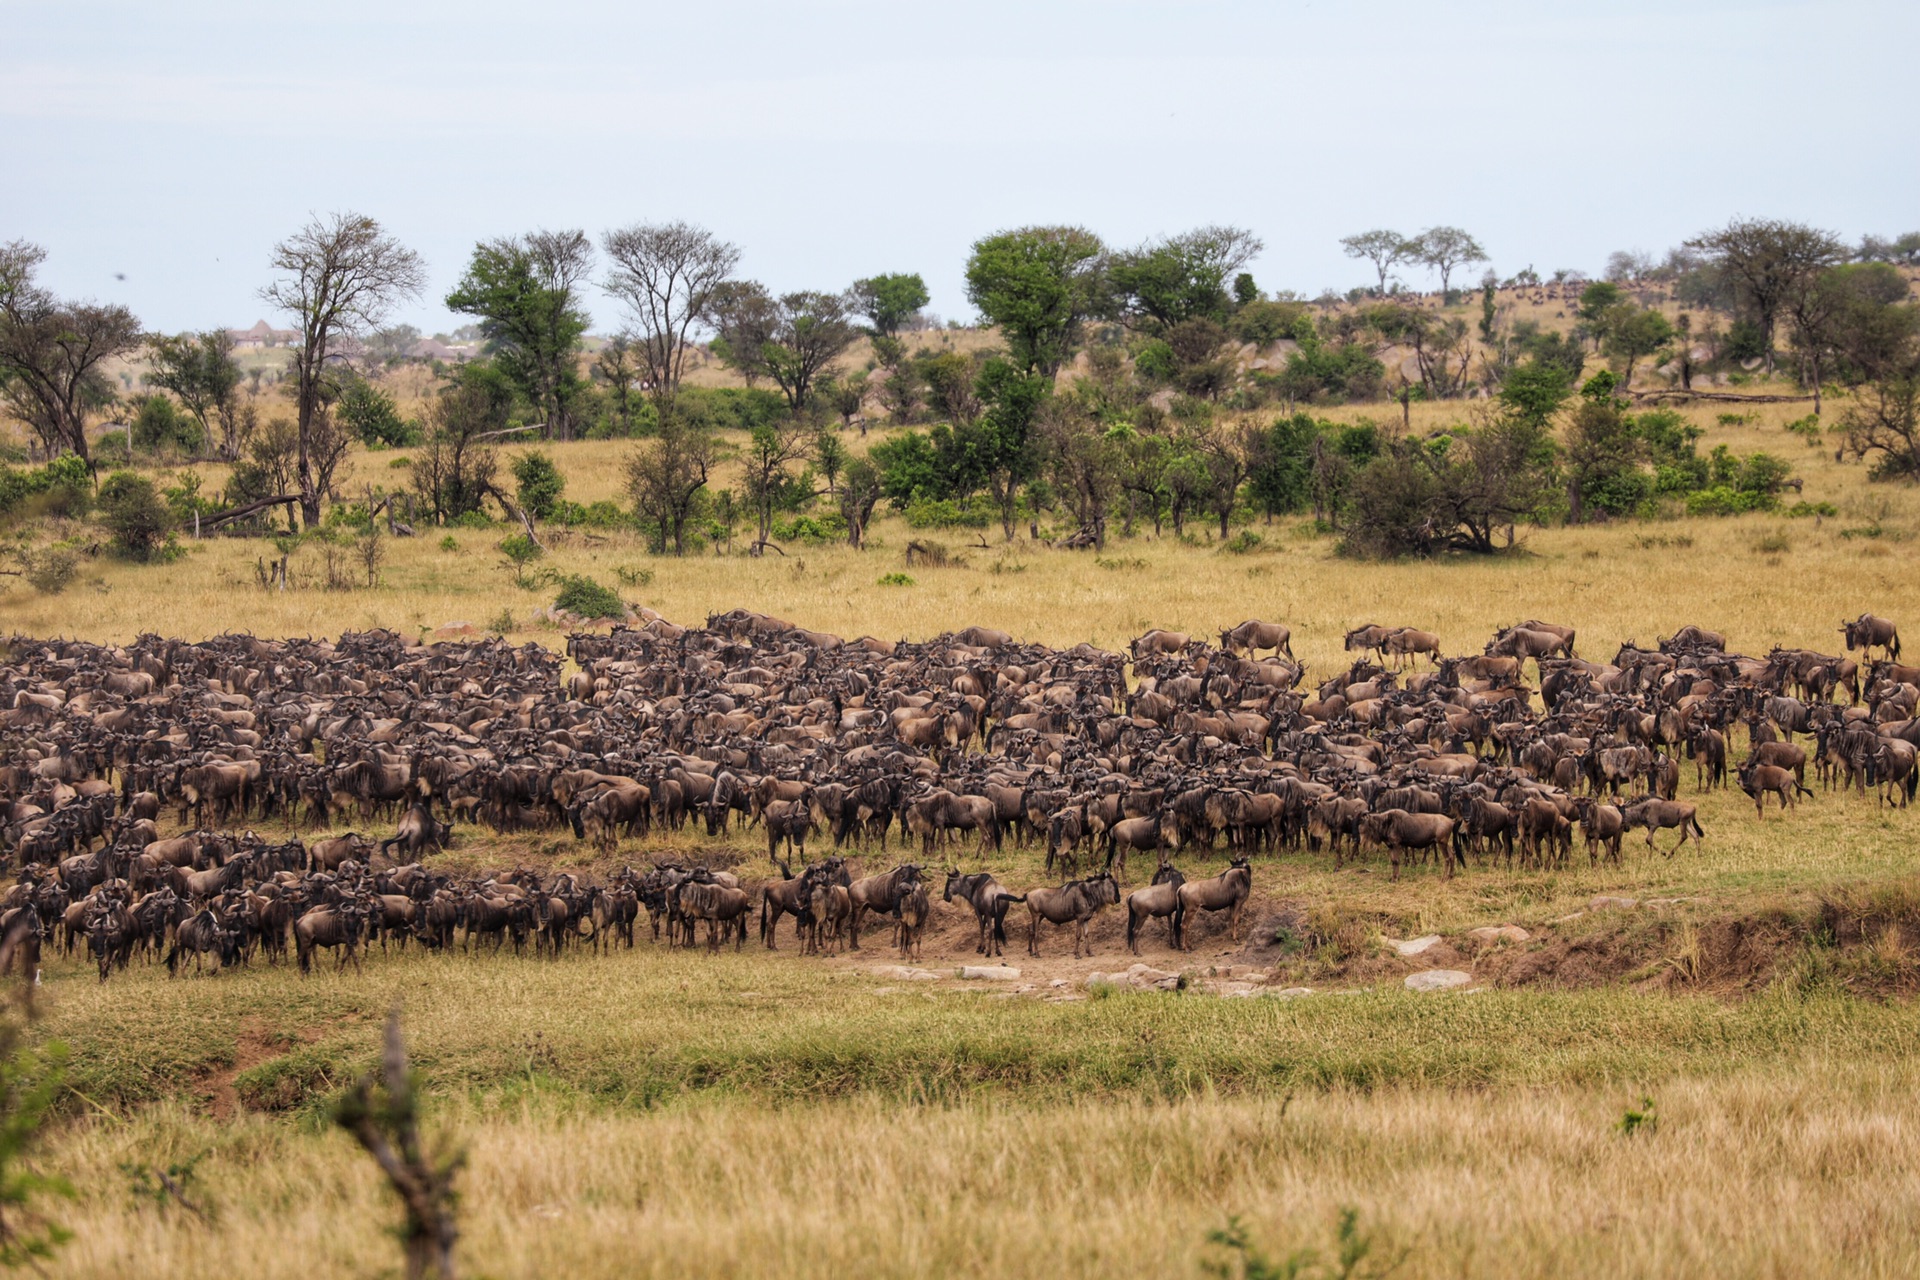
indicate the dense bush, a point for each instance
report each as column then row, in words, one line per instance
column 62, row 488
column 540, row 484
column 132, row 510
column 583, row 596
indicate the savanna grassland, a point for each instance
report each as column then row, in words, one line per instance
column 659, row 1113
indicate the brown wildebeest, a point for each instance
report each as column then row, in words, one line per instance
column 1708, row 748
column 1405, row 642
column 1867, row 633
column 989, row 902
column 1144, row 834
column 1227, row 892
column 878, row 893
column 1658, row 815
column 831, row 911
column 1757, row 780
column 1600, row 825
column 913, row 912
column 1399, row 830
column 1075, row 903
column 1522, row 643
column 419, row 831
column 1158, row 641
column 1253, row 635
column 1366, row 639
column 723, row 907
column 790, row 895
column 788, row 820
column 1785, row 755
column 1566, row 634
column 1161, row 898
column 337, row 925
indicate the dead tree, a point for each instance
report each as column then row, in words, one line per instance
column 388, row 1127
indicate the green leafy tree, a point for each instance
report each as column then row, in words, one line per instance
column 370, row 415
column 1604, row 452
column 454, row 471
column 1037, row 284
column 1634, row 333
column 860, row 492
column 158, row 427
column 525, row 291
column 1596, row 308
column 811, row 331
column 615, row 367
column 1534, row 392
column 889, row 301
column 1002, row 439
column 1166, row 283
column 199, row 369
column 666, row 477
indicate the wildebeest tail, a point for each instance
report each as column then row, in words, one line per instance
column 1696, row 827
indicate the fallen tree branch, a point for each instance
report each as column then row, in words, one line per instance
column 251, row 508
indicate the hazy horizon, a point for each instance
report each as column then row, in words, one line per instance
column 172, row 146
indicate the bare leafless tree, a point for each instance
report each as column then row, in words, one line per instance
column 343, row 273
column 666, row 274
column 51, row 352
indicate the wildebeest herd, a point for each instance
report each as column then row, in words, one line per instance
column 971, row 737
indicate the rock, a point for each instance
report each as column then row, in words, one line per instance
column 1602, row 901
column 1666, row 902
column 1142, row 977
column 1487, row 935
column 1416, row 946
column 1287, row 993
column 454, row 631
column 1059, row 982
column 1566, row 919
column 906, row 973
column 990, row 972
column 1437, row 980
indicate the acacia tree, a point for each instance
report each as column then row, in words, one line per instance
column 771, row 451
column 200, row 370
column 861, row 489
column 525, row 290
column 51, row 352
column 1384, row 249
column 665, row 273
column 889, row 301
column 1767, row 260
column 615, row 366
column 1444, row 248
column 811, row 330
column 1166, row 283
column 343, row 273
column 1038, row 284
column 743, row 316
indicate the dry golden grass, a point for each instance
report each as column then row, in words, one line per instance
column 1809, row 1172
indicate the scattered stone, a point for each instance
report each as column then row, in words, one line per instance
column 1287, row 993
column 906, row 973
column 1059, row 982
column 990, row 972
column 1415, row 946
column 1437, row 980
column 1602, row 901
column 1666, row 902
column 1567, row 919
column 1143, row 977
column 1487, row 935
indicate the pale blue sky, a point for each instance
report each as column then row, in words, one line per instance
column 175, row 142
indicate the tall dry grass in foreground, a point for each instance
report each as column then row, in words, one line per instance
column 1806, row 1171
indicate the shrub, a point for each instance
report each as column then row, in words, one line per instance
column 583, row 596
column 520, row 551
column 894, row 580
column 945, row 513
column 1243, row 542
column 50, row 569
column 449, row 543
column 160, row 427
column 540, row 484
column 371, row 417
column 471, row 520
column 1800, row 510
column 62, row 488
column 812, row 530
column 133, row 511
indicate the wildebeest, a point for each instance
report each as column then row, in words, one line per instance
column 1657, row 815
column 1226, row 892
column 1399, row 831
column 1867, row 633
column 1161, row 899
column 1075, row 903
column 989, row 903
column 1252, row 635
